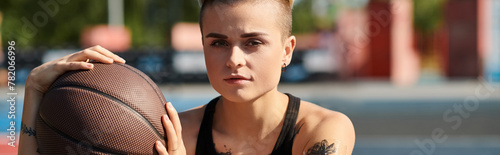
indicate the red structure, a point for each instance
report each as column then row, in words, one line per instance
column 378, row 64
column 461, row 25
column 456, row 41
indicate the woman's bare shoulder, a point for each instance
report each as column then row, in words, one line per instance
column 320, row 126
column 315, row 114
column 193, row 115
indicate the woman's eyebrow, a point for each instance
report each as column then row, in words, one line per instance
column 245, row 35
column 216, row 35
column 253, row 34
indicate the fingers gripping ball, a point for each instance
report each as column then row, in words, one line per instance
column 111, row 109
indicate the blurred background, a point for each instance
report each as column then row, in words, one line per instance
column 416, row 77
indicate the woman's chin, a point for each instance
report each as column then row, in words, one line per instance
column 238, row 96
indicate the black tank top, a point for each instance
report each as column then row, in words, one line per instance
column 205, row 144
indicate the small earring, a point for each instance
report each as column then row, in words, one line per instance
column 283, row 68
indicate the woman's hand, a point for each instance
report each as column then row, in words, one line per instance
column 42, row 76
column 173, row 128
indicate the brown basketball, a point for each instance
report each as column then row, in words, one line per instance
column 111, row 109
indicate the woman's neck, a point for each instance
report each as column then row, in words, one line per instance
column 257, row 118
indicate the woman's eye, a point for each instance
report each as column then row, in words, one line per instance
column 219, row 43
column 254, row 43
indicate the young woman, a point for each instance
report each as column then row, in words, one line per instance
column 247, row 44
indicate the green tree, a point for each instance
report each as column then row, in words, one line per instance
column 427, row 18
column 427, row 14
column 149, row 21
column 61, row 29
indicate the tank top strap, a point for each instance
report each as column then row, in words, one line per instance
column 205, row 143
column 284, row 143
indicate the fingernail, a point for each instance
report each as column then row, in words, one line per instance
column 90, row 65
column 170, row 104
column 110, row 60
column 120, row 59
column 165, row 116
column 159, row 143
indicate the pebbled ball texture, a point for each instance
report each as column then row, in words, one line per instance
column 111, row 109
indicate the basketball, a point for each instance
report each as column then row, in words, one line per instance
column 111, row 109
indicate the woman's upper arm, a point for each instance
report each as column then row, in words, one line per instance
column 334, row 135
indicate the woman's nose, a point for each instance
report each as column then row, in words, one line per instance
column 236, row 58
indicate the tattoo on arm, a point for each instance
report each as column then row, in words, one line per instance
column 228, row 152
column 27, row 130
column 322, row 148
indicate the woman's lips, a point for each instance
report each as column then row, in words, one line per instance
column 236, row 79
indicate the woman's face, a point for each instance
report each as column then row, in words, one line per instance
column 243, row 48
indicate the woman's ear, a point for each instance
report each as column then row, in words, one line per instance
column 288, row 51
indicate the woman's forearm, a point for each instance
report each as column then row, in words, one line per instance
column 27, row 142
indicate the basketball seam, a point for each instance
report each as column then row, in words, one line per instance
column 149, row 82
column 74, row 140
column 116, row 100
